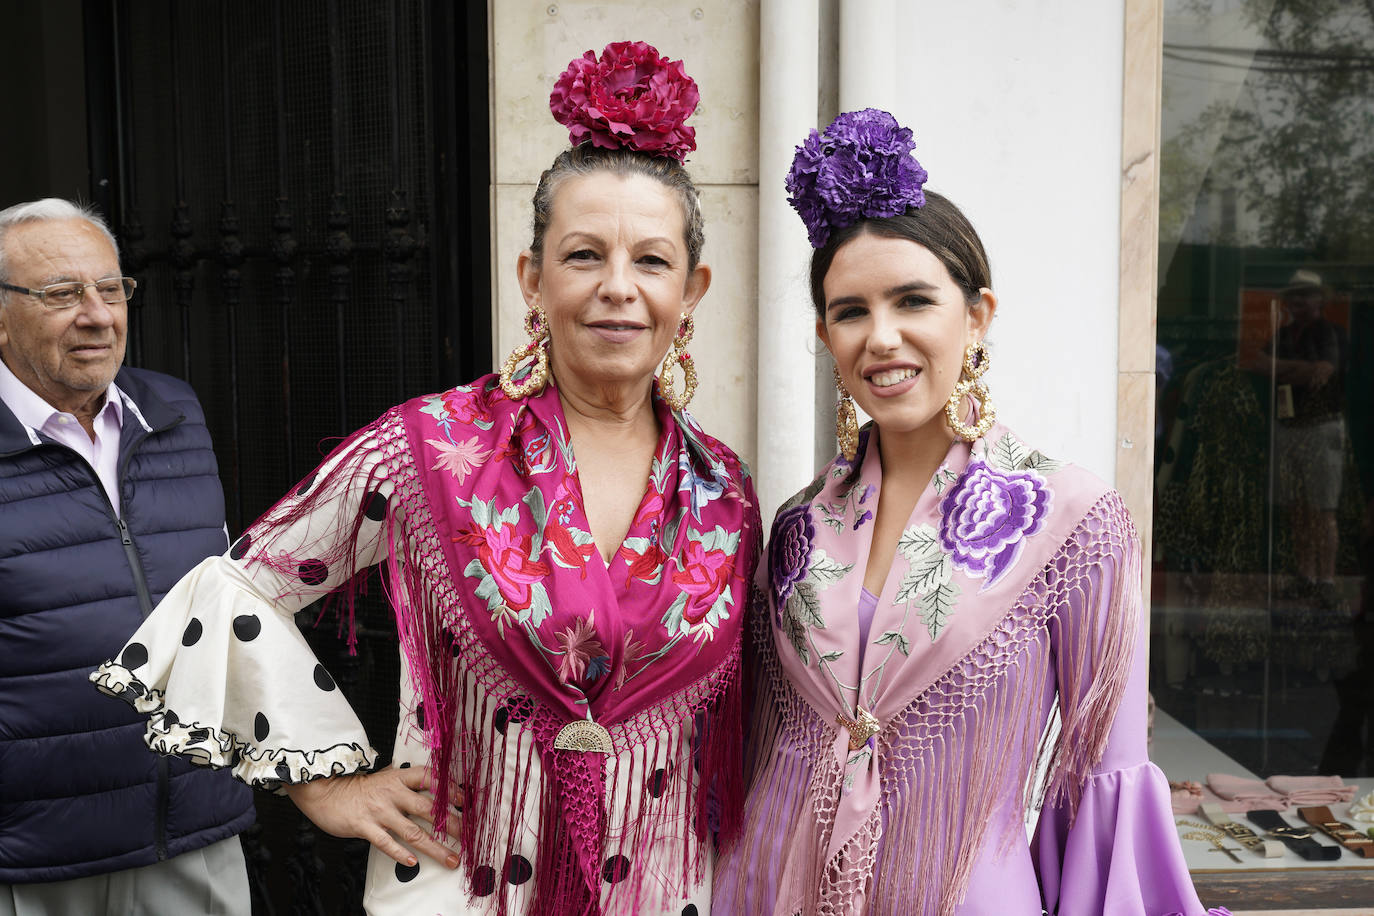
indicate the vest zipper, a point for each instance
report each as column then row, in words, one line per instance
column 164, row 791
column 145, row 598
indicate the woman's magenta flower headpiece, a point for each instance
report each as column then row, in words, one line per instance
column 630, row 98
column 860, row 167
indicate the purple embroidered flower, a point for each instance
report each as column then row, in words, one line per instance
column 987, row 516
column 867, row 513
column 861, row 166
column 789, row 551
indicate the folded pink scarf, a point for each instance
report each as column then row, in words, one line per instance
column 1240, row 794
column 1311, row 790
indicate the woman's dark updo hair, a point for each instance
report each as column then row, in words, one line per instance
column 587, row 159
column 939, row 226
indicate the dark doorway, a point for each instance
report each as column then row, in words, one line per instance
column 301, row 188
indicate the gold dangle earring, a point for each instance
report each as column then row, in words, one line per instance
column 846, row 422
column 678, row 356
column 976, row 362
column 537, row 373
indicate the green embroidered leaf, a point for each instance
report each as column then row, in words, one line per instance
column 487, row 589
column 539, row 608
column 805, row 605
column 928, row 573
column 825, row 571
column 796, row 635
column 481, row 511
column 1037, row 461
column 638, row 545
column 832, row 655
column 936, row 607
column 509, row 515
column 672, row 618
column 892, row 636
column 535, row 500
column 943, row 478
column 918, row 542
column 1008, row 453
column 667, row 536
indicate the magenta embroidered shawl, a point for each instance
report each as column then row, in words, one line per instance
column 537, row 624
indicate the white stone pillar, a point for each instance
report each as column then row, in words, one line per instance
column 788, row 87
column 868, row 65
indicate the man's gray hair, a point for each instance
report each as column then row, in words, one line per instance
column 49, row 208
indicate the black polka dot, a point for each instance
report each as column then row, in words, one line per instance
column 375, row 508
column 406, row 873
column 261, row 727
column 514, row 709
column 689, row 910
column 420, row 714
column 658, row 783
column 518, row 869
column 283, row 772
column 616, row 869
column 305, row 486
column 135, row 655
column 313, row 572
column 404, row 766
column 247, row 627
column 170, row 719
column 322, row 679
column 483, row 881
column 191, row 635
column 240, row 547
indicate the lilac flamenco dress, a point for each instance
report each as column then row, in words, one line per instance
column 894, row 750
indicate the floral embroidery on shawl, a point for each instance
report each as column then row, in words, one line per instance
column 972, row 589
column 503, row 604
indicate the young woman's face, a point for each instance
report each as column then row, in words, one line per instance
column 898, row 326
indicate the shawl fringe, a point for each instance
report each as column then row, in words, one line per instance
column 694, row 736
column 948, row 758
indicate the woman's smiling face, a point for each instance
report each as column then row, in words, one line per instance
column 613, row 280
column 898, row 325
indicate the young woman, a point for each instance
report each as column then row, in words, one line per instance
column 567, row 555
column 930, row 599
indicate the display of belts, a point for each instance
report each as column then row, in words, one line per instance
column 1262, row 592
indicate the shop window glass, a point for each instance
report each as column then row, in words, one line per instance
column 1262, row 618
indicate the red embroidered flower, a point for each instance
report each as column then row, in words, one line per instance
column 702, row 577
column 632, row 98
column 644, row 566
column 567, row 552
column 506, row 555
column 580, row 648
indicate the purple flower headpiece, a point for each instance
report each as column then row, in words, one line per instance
column 630, row 98
column 860, row 167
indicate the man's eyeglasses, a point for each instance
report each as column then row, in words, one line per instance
column 66, row 295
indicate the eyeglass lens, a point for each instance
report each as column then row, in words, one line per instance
column 112, row 291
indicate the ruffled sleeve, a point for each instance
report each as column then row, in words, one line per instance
column 220, row 667
column 1107, row 844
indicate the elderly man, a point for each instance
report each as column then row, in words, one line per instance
column 108, row 494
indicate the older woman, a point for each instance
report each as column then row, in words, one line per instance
column 931, row 597
column 566, row 554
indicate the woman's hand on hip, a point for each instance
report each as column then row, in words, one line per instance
column 378, row 807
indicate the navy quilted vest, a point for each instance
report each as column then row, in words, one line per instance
column 80, row 793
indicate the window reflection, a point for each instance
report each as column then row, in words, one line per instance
column 1263, row 605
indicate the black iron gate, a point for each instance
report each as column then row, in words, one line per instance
column 301, row 189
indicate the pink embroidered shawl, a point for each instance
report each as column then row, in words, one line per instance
column 990, row 523
column 648, row 647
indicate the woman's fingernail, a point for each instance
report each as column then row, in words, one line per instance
column 410, row 860
column 451, row 861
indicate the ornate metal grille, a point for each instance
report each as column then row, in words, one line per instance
column 300, row 189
